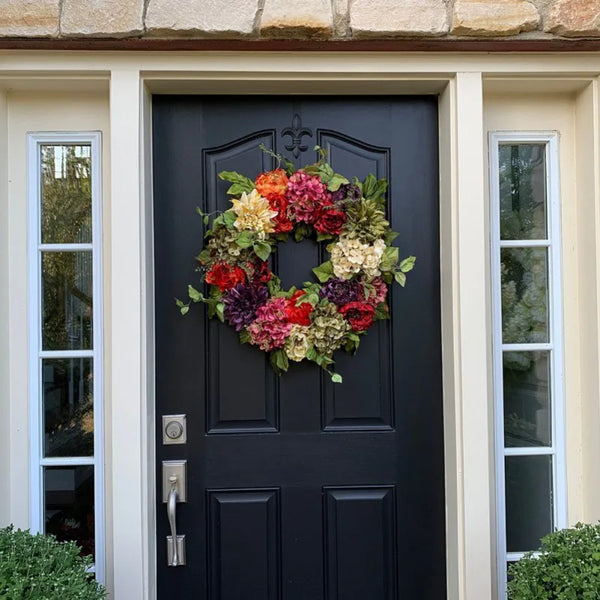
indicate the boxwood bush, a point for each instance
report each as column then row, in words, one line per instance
column 37, row 567
column 567, row 567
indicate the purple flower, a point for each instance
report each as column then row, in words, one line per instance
column 346, row 191
column 343, row 291
column 241, row 303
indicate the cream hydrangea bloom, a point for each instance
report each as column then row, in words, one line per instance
column 298, row 342
column 254, row 213
column 350, row 256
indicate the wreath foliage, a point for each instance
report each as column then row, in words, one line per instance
column 313, row 321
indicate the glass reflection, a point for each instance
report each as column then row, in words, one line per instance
column 67, row 300
column 527, row 410
column 529, row 510
column 524, row 280
column 66, row 194
column 68, row 407
column 69, row 505
column 522, row 169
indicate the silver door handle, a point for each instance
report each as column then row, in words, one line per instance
column 172, row 515
column 174, row 491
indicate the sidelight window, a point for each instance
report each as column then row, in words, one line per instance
column 66, row 340
column 528, row 362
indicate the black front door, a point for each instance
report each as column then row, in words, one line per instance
column 300, row 489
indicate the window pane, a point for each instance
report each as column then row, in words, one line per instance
column 68, row 407
column 527, row 409
column 66, row 194
column 524, row 279
column 522, row 191
column 528, row 501
column 67, row 300
column 69, row 505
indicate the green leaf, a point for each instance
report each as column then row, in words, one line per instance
column 241, row 183
column 199, row 211
column 389, row 258
column 262, row 249
column 335, row 182
column 289, row 166
column 244, row 336
column 274, row 285
column 400, row 278
column 321, row 237
column 390, row 236
column 311, row 354
column 381, row 312
column 245, row 239
column 194, row 294
column 220, row 310
column 206, row 219
column 324, row 271
column 374, row 189
column 184, row 310
column 336, row 378
column 229, row 218
column 301, row 232
column 407, row 264
column 279, row 361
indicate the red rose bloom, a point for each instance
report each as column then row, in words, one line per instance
column 330, row 220
column 259, row 271
column 225, row 276
column 272, row 183
column 359, row 315
column 282, row 220
column 298, row 314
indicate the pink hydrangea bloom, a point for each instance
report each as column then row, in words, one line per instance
column 306, row 193
column 270, row 329
column 380, row 294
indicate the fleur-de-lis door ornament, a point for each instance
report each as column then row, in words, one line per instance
column 296, row 132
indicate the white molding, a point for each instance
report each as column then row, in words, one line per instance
column 555, row 336
column 36, row 354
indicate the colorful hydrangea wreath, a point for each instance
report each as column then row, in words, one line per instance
column 321, row 317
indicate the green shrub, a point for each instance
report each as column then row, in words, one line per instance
column 37, row 567
column 567, row 568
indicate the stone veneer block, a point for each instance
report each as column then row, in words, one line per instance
column 201, row 18
column 297, row 19
column 101, row 18
column 29, row 18
column 574, row 18
column 494, row 17
column 389, row 18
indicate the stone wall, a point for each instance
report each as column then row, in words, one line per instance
column 300, row 19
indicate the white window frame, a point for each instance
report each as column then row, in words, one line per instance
column 35, row 247
column 555, row 336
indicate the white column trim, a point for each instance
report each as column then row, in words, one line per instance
column 473, row 336
column 128, row 412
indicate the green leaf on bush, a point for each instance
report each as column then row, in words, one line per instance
column 229, row 218
column 336, row 378
column 324, row 271
column 373, row 188
column 240, row 183
column 262, row 249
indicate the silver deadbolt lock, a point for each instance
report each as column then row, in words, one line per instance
column 174, row 429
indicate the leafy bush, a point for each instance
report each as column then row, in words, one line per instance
column 567, row 568
column 37, row 567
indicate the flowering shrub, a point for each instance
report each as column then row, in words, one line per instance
column 566, row 568
column 37, row 567
column 351, row 293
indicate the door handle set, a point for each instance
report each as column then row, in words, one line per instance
column 174, row 491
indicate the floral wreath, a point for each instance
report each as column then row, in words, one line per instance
column 321, row 317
